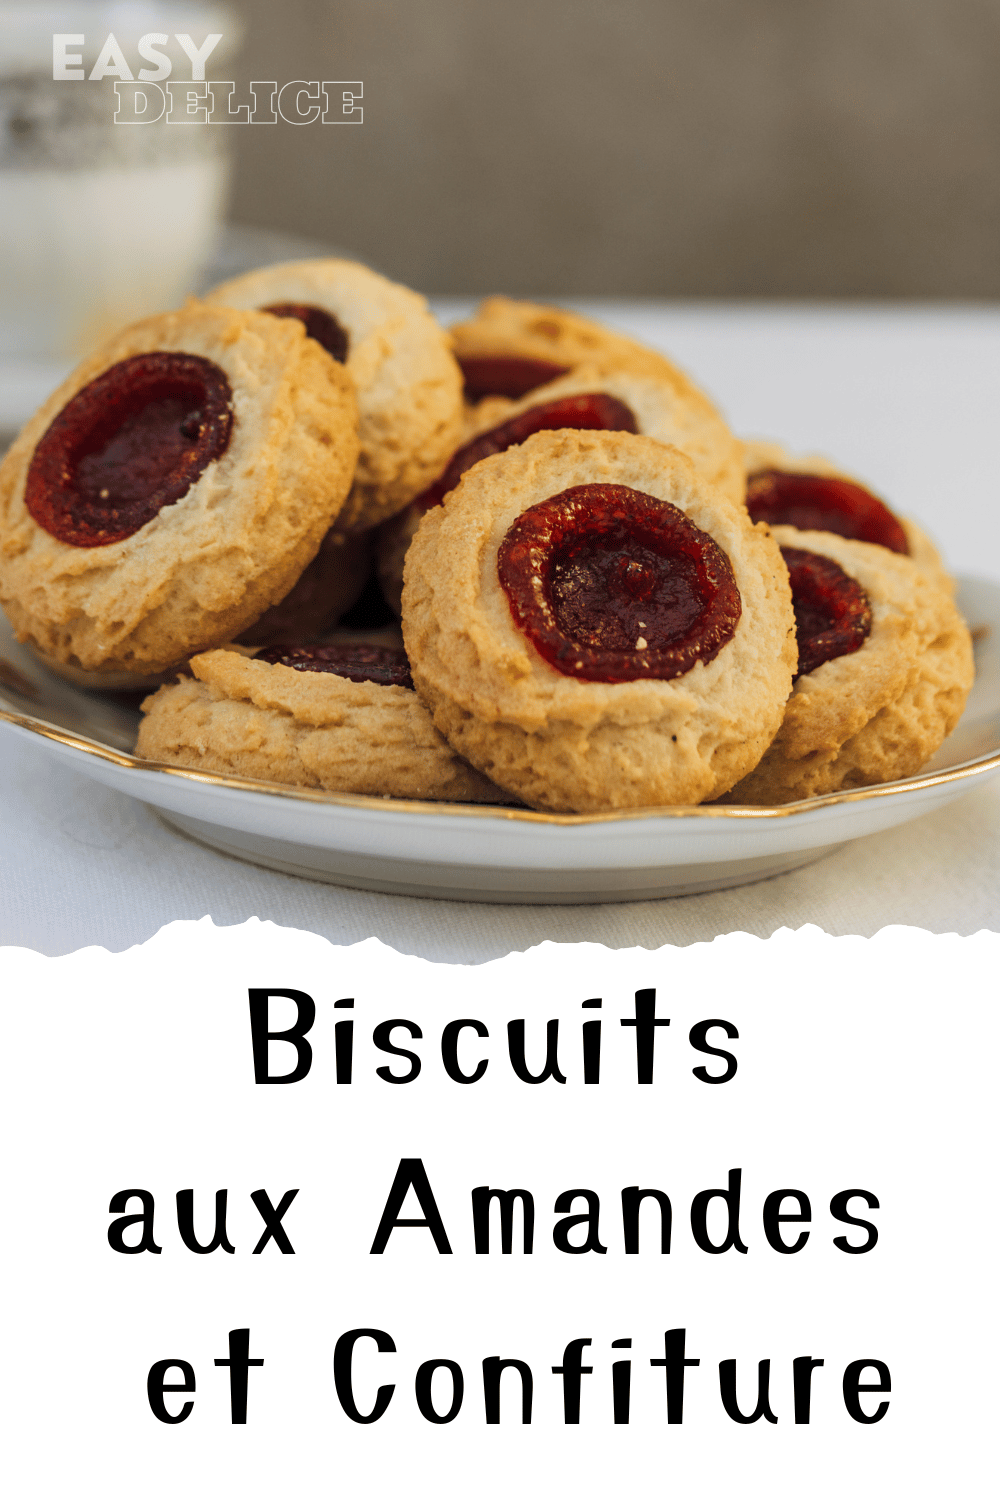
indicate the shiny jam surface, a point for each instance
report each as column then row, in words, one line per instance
column 612, row 585
column 593, row 411
column 832, row 614
column 506, row 375
column 815, row 502
column 131, row 442
column 320, row 325
column 384, row 665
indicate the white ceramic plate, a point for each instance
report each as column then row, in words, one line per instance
column 494, row 854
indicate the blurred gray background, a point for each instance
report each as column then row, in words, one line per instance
column 748, row 148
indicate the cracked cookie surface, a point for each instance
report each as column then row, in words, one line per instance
column 659, row 406
column 269, row 722
column 408, row 386
column 760, row 455
column 559, row 743
column 879, row 713
column 555, row 335
column 205, row 567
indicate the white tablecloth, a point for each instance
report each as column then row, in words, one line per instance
column 907, row 398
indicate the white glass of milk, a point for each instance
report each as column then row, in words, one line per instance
column 100, row 223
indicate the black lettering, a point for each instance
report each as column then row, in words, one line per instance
column 515, row 1048
column 853, row 1388
column 185, row 1223
column 621, row 1384
column 410, row 1174
column 645, row 1024
column 425, row 1401
column 239, row 1363
column 631, row 1202
column 481, row 1199
column 343, row 1043
column 449, row 1050
column 343, row 1373
column 272, row 1217
column 561, row 1231
column 591, row 1045
column 838, row 1208
column 697, row 1036
column 802, row 1369
column 699, row 1216
column 774, row 1218
column 727, row 1390
column 260, row 1036
column 382, row 1037
column 116, row 1229
column 156, row 1387
column 493, row 1368
column 674, row 1365
column 571, row 1371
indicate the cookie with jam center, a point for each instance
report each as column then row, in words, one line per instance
column 877, row 710
column 408, row 386
column 173, row 488
column 587, row 399
column 505, row 337
column 551, row 341
column 595, row 627
column 803, row 506
column 298, row 719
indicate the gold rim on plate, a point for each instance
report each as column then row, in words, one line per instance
column 967, row 770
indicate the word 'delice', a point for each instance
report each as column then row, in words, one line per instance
column 145, row 98
column 218, row 103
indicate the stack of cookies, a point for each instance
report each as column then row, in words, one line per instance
column 593, row 595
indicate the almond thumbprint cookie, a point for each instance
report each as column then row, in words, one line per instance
column 508, row 349
column 341, row 717
column 593, row 626
column 172, row 489
column 884, row 669
column 812, row 494
column 409, row 388
column 586, row 400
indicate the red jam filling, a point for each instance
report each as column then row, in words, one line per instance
column 320, row 325
column 592, row 411
column 612, row 585
column 815, row 502
column 832, row 614
column 384, row 665
column 506, row 375
column 132, row 441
